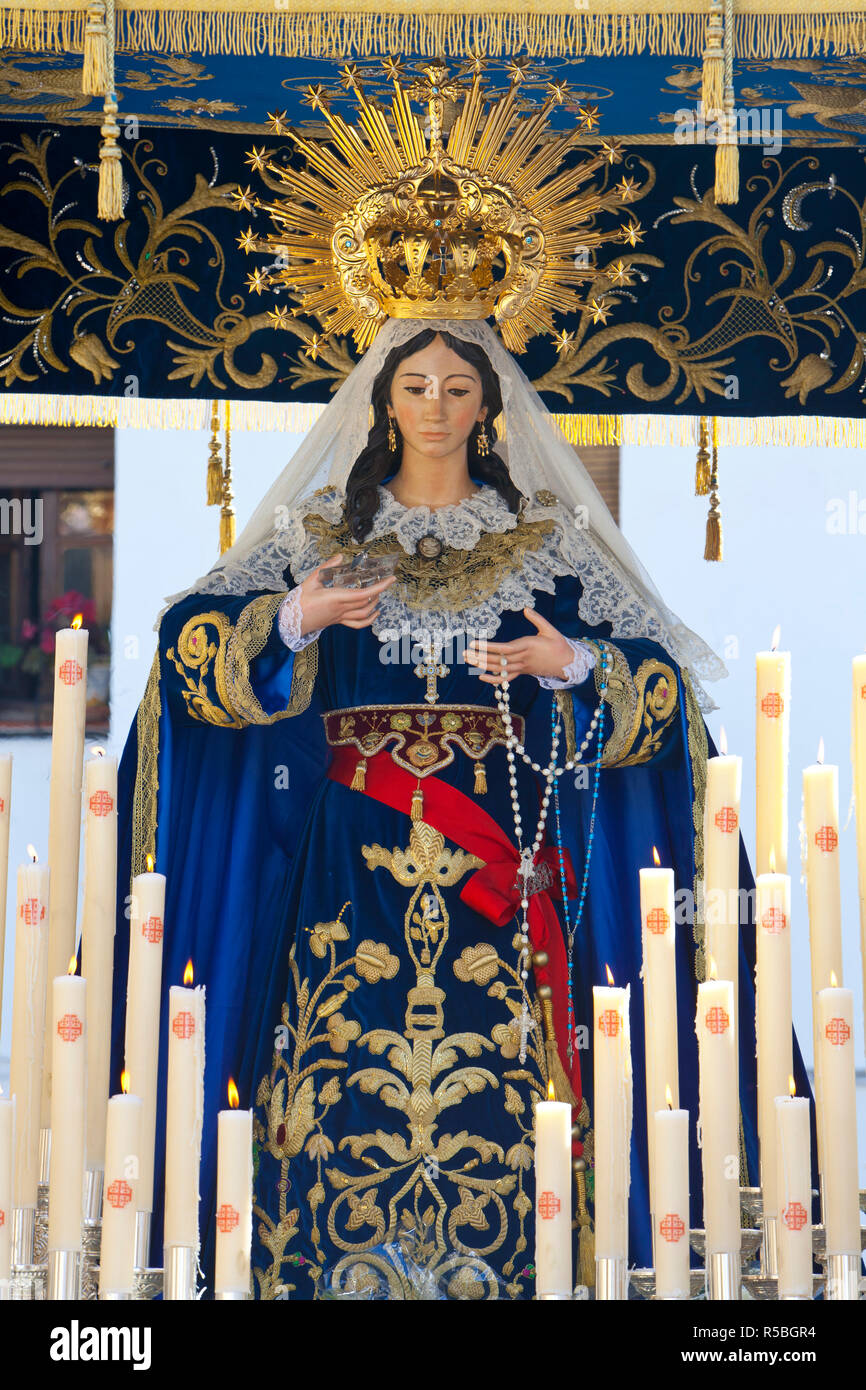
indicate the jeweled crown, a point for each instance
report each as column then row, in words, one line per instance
column 399, row 218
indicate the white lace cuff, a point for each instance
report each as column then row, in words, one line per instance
column 289, row 623
column 577, row 669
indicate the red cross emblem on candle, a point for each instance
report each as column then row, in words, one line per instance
column 32, row 911
column 227, row 1218
column 119, row 1194
column 2, row 1218
column 774, row 920
column 837, row 1032
column 826, row 838
column 726, row 819
column 772, row 704
column 672, row 1228
column 101, row 803
column 70, row 672
column 717, row 1020
column 608, row 1023
column 657, row 921
column 548, row 1206
column 70, row 1027
column 151, row 929
column 183, row 1025
column 2, row 804
column 794, row 1216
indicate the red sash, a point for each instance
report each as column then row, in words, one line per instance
column 492, row 890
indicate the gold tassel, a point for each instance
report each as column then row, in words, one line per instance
column 227, row 530
column 586, row 1239
column 214, row 463
column 109, row 202
column 727, row 188
column 702, row 467
column 359, row 776
column 480, row 787
column 713, row 543
column 555, row 1069
column 94, row 72
column 416, row 810
column 227, row 515
column 713, row 83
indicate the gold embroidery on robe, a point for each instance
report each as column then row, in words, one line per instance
column 642, row 707
column 698, row 751
column 144, row 798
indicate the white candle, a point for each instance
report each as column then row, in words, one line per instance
column 184, row 1113
column 671, row 1217
column 64, row 824
column 774, row 1026
column 5, row 802
column 858, row 756
column 143, row 993
column 97, row 939
column 837, row 1121
column 772, row 738
column 794, row 1186
column 28, row 1026
column 660, row 999
column 823, row 890
column 234, row 1215
column 612, row 1088
column 554, row 1273
column 122, row 1142
column 66, row 1172
column 7, row 1149
column 722, row 866
column 719, row 1116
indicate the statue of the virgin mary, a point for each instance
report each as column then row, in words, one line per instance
column 402, row 755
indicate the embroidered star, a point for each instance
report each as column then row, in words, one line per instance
column 588, row 116
column 244, row 199
column 631, row 233
column 600, row 310
column 257, row 158
column 316, row 97
column 627, row 188
column 315, row 345
column 611, row 150
column 257, row 281
column 558, row 90
column 350, row 75
column 279, row 317
column 619, row 273
column 278, row 122
column 563, row 342
column 246, row 241
column 518, row 68
column 394, row 68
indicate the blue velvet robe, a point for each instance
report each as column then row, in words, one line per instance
column 386, row 1162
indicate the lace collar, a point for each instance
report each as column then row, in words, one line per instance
column 459, row 524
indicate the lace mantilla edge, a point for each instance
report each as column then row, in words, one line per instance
column 569, row 549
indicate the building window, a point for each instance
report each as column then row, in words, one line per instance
column 56, row 539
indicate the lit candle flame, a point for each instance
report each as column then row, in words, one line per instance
column 777, row 632
column 33, row 855
column 77, row 621
column 150, row 863
column 834, row 983
column 551, row 1093
column 234, row 1098
column 187, row 974
column 820, row 757
column 713, row 971
column 97, row 751
column 669, row 1097
column 72, row 966
column 656, row 859
column 772, row 859
column 792, row 1087
column 124, row 1082
column 609, row 975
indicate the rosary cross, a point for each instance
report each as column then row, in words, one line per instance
column 526, row 1025
column 433, row 670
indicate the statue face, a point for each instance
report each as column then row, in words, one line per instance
column 436, row 400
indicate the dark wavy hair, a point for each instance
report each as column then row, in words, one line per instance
column 375, row 464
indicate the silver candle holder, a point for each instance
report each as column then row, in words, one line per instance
column 180, row 1273
column 64, row 1275
column 723, row 1275
column 611, row 1277
column 842, row 1278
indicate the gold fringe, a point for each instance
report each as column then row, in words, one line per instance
column 764, row 29
column 480, row 787
column 416, row 810
column 359, row 776
column 94, row 69
column 291, row 417
column 586, row 1239
column 109, row 204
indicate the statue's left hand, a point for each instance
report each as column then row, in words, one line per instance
column 543, row 653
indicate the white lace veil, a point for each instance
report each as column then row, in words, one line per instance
column 616, row 587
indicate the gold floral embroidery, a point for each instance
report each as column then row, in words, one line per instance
column 198, row 652
column 642, row 706
column 144, row 799
column 698, row 749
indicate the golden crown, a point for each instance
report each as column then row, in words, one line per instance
column 467, row 215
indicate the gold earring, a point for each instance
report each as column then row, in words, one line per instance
column 392, row 438
column 483, row 441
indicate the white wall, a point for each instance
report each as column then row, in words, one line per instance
column 781, row 565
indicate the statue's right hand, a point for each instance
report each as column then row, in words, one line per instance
column 321, row 606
